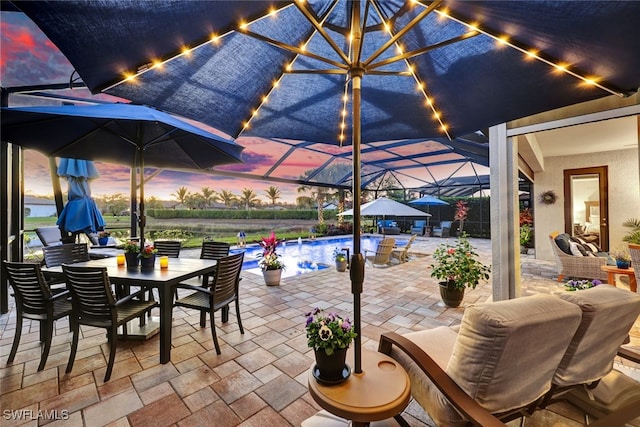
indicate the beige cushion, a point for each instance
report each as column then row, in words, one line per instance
column 608, row 315
column 504, row 355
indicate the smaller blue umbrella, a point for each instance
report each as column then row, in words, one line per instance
column 427, row 201
column 80, row 214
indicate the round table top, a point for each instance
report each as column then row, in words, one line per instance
column 381, row 391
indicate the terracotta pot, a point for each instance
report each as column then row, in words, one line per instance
column 132, row 260
column 451, row 296
column 148, row 263
column 331, row 369
column 272, row 277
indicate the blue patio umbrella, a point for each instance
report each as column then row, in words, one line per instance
column 128, row 134
column 428, row 200
column 80, row 214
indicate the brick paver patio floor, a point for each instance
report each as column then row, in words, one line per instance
column 260, row 379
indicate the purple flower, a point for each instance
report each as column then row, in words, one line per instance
column 596, row 282
column 346, row 325
column 309, row 320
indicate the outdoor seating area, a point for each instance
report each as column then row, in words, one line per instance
column 260, row 376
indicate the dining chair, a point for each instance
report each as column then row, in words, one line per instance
column 223, row 291
column 94, row 304
column 67, row 253
column 170, row 248
column 34, row 300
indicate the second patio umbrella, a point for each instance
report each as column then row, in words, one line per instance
column 80, row 214
column 384, row 206
column 428, row 200
column 118, row 133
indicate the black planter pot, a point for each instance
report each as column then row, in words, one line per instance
column 451, row 296
column 331, row 369
column 132, row 260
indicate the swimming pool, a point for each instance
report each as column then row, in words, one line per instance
column 307, row 255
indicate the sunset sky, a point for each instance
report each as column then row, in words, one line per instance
column 28, row 57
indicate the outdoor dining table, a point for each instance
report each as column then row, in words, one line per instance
column 163, row 279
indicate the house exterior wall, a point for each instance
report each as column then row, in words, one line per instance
column 41, row 210
column 624, row 190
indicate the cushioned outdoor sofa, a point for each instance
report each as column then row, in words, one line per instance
column 578, row 258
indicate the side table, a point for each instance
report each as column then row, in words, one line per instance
column 381, row 391
column 612, row 270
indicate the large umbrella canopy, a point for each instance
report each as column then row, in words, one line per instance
column 119, row 133
column 80, row 214
column 428, row 200
column 386, row 207
column 349, row 71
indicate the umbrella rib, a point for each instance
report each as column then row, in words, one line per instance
column 293, row 49
column 395, row 37
column 341, row 71
column 422, row 50
column 80, row 138
column 318, row 26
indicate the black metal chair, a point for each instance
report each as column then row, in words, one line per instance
column 94, row 304
column 223, row 291
column 170, row 248
column 35, row 300
column 67, row 253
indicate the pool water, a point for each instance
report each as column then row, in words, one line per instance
column 307, row 255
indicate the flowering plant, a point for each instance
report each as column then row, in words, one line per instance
column 329, row 332
column 270, row 259
column 131, row 247
column 462, row 209
column 576, row 285
column 458, row 264
column 339, row 255
column 103, row 234
column 622, row 255
column 148, row 251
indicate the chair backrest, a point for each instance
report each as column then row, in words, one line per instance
column 214, row 250
column 91, row 295
column 383, row 251
column 170, row 248
column 608, row 313
column 30, row 289
column 49, row 235
column 445, row 224
column 419, row 223
column 227, row 280
column 634, row 250
column 67, row 253
column 506, row 352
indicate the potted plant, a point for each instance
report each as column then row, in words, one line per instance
column 131, row 251
column 270, row 263
column 341, row 260
column 623, row 259
column 148, row 256
column 329, row 336
column 457, row 267
column 525, row 237
column 576, row 285
column 103, row 237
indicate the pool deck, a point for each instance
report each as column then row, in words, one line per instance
column 260, row 379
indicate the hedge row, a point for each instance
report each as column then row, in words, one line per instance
column 310, row 214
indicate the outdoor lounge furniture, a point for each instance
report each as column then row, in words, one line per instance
column 93, row 304
column 382, row 255
column 402, row 254
column 498, row 364
column 634, row 251
column 34, row 300
column 49, row 235
column 388, row 226
column 475, row 373
column 579, row 266
column 419, row 227
column 443, row 230
column 222, row 292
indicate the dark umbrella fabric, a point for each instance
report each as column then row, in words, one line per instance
column 427, row 201
column 80, row 214
column 311, row 70
column 127, row 134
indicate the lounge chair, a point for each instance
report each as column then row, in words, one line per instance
column 49, row 235
column 587, row 267
column 382, row 255
column 443, row 230
column 402, row 254
column 419, row 227
column 495, row 368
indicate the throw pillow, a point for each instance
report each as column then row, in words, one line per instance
column 562, row 240
column 577, row 249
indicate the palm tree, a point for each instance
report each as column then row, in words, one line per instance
column 181, row 194
column 248, row 197
column 227, row 197
column 209, row 196
column 273, row 193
